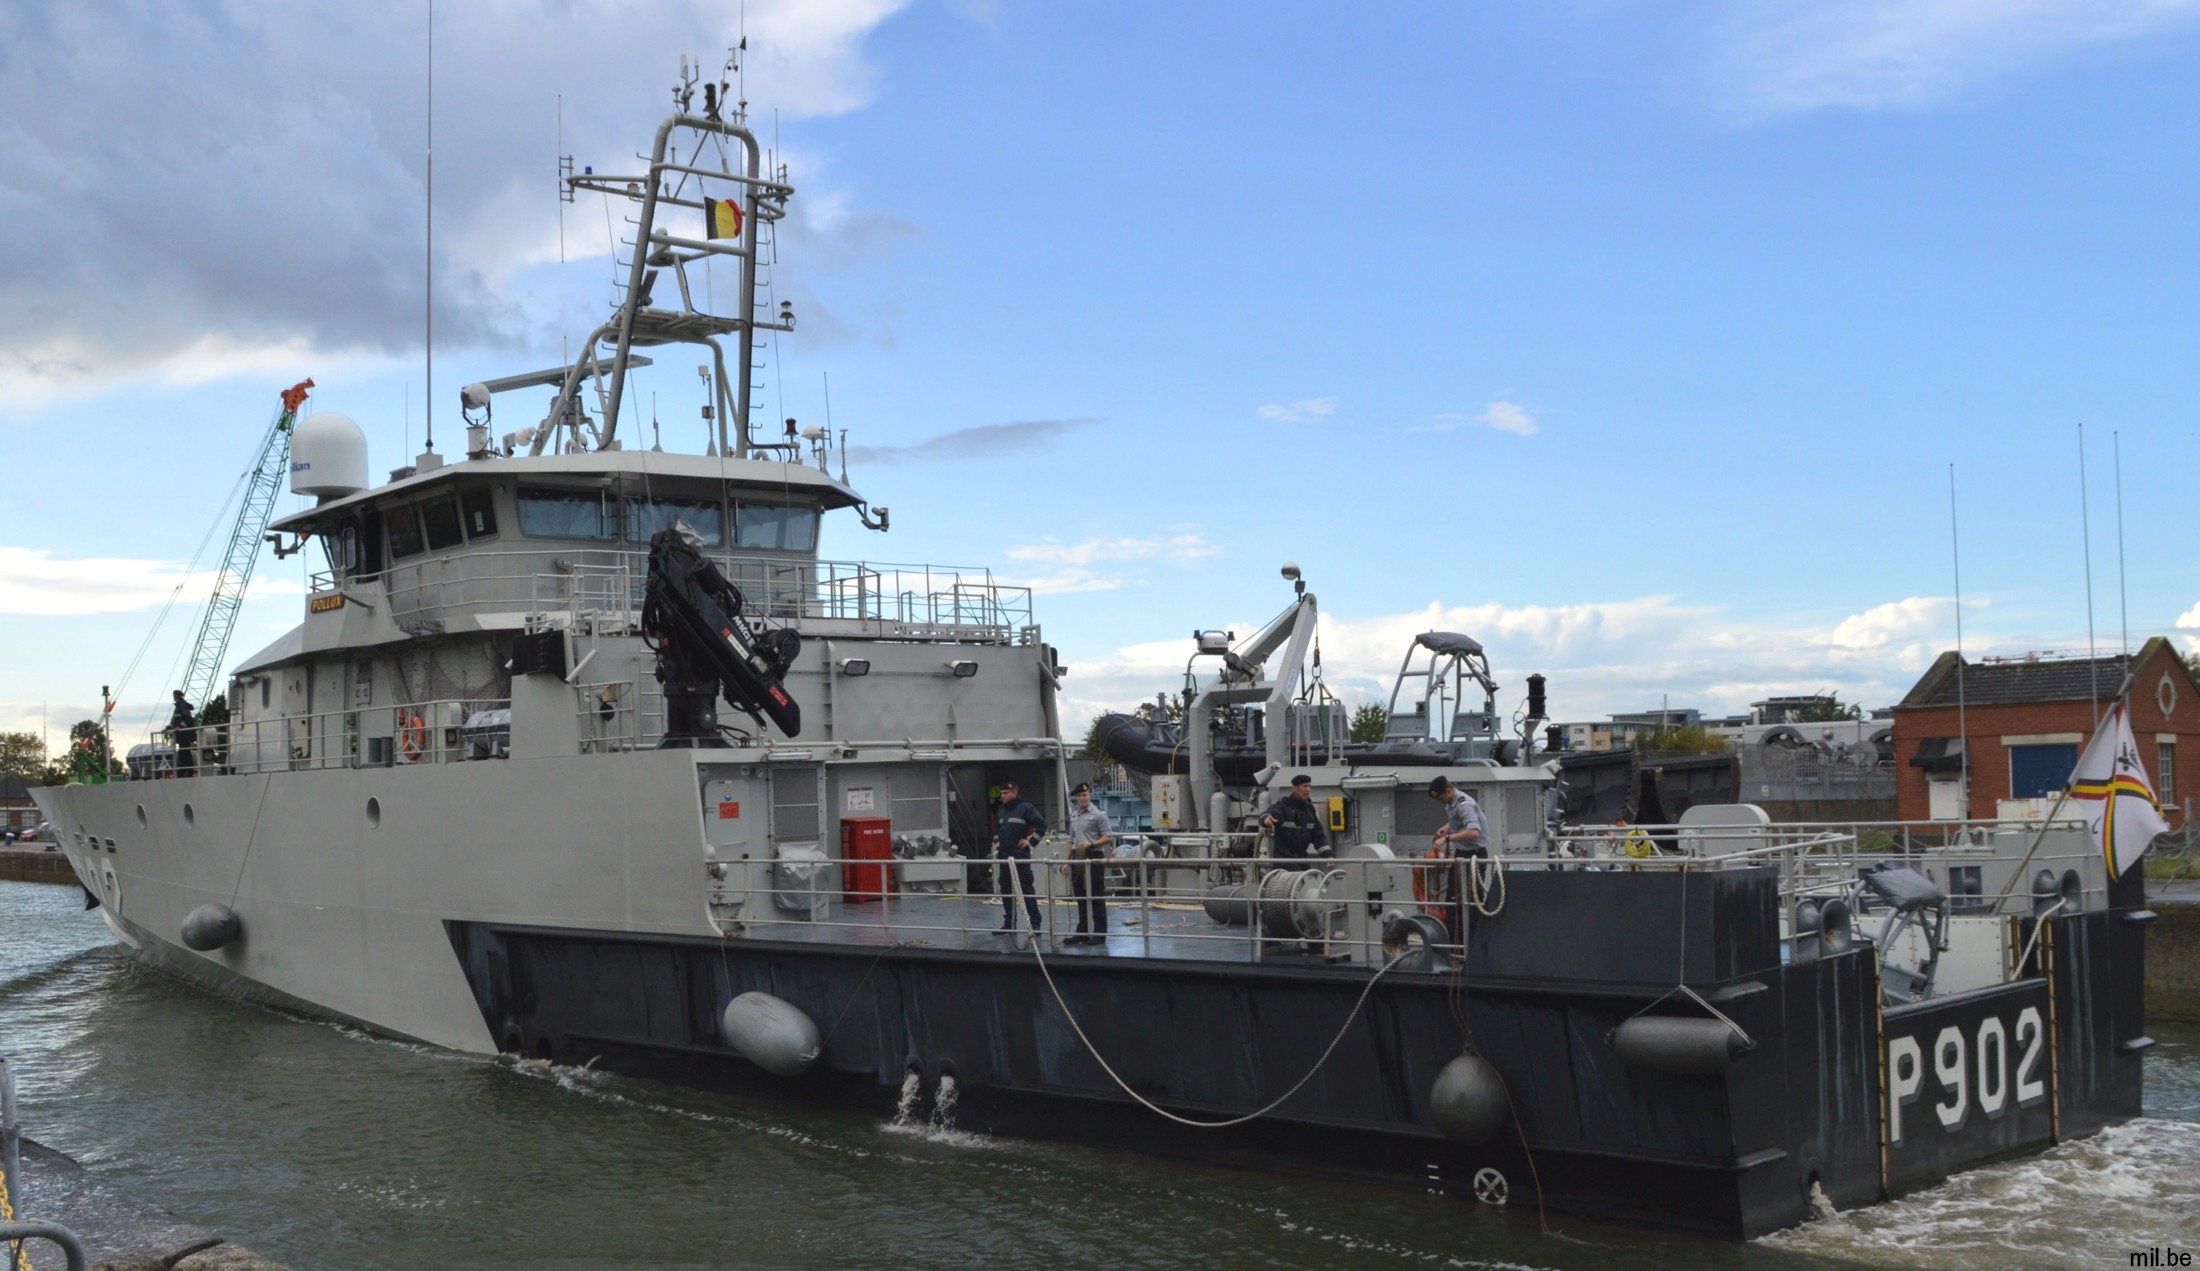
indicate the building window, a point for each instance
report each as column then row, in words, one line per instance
column 2038, row 771
column 2165, row 784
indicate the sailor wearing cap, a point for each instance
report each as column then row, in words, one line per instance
column 1463, row 824
column 1016, row 826
column 1462, row 835
column 1090, row 837
column 1295, row 823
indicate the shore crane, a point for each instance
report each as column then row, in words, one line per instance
column 203, row 672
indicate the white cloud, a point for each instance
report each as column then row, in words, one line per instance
column 1509, row 417
column 1777, row 57
column 1896, row 620
column 1300, row 412
column 2189, row 620
column 1073, row 565
column 1600, row 656
column 34, row 582
column 275, row 220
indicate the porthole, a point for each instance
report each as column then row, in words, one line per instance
column 2165, row 695
column 141, row 816
column 190, row 816
column 374, row 813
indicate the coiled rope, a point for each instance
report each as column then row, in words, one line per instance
column 1481, row 870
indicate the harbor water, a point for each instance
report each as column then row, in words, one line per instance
column 325, row 1148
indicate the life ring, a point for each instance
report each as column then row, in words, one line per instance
column 1420, row 882
column 412, row 742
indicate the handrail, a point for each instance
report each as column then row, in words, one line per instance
column 609, row 579
column 322, row 739
column 72, row 1249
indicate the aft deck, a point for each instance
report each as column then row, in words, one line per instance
column 1171, row 931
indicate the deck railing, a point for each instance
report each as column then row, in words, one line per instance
column 1164, row 889
column 368, row 736
column 888, row 599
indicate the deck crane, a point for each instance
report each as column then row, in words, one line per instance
column 266, row 478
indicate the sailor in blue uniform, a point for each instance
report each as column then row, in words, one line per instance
column 183, row 731
column 1016, row 827
column 1296, row 824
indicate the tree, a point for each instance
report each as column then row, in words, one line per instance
column 22, row 755
column 1690, row 740
column 1369, row 722
column 87, row 731
column 1825, row 708
column 1092, row 748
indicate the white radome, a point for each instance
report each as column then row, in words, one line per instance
column 328, row 456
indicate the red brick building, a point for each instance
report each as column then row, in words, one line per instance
column 17, row 810
column 2021, row 724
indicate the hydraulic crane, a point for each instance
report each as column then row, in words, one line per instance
column 202, row 673
column 692, row 616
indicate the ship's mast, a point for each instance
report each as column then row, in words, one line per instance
column 734, row 198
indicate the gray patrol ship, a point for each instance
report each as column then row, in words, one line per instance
column 582, row 753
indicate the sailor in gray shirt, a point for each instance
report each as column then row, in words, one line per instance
column 1090, row 837
column 1464, row 827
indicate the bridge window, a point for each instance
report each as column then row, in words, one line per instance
column 645, row 520
column 440, row 516
column 782, row 528
column 405, row 538
column 567, row 514
column 478, row 509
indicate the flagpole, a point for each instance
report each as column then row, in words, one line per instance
column 2017, row 875
column 427, row 268
column 1963, row 731
column 2123, row 606
column 2085, row 534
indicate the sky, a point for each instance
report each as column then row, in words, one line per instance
column 1646, row 343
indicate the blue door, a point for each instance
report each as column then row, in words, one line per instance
column 2036, row 771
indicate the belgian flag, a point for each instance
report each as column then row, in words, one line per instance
column 721, row 218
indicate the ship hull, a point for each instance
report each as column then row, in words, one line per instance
column 1736, row 1155
column 583, row 934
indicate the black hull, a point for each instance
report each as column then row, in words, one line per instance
column 1733, row 1155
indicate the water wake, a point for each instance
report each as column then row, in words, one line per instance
column 2127, row 1189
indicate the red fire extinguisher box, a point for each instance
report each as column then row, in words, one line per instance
column 866, row 842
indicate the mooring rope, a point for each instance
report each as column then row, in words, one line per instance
column 1037, row 939
column 7, row 1215
column 2037, row 927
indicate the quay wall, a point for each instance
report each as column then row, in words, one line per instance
column 24, row 865
column 2173, row 957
